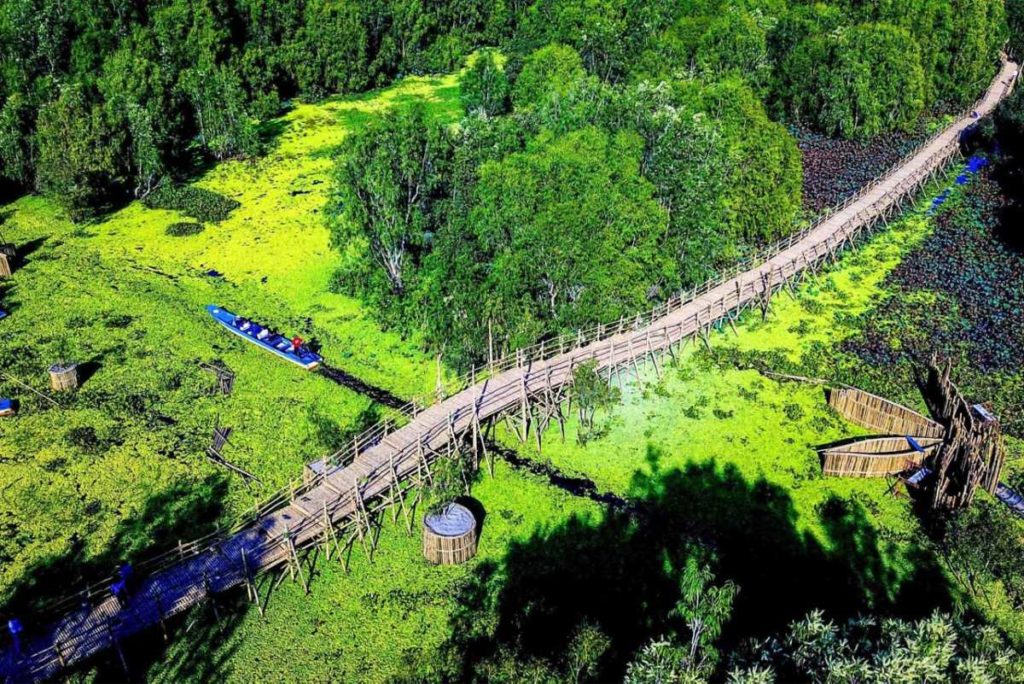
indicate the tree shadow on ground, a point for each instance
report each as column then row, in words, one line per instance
column 621, row 572
column 184, row 511
column 199, row 646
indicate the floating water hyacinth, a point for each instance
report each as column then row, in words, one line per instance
column 974, row 165
column 835, row 169
column 961, row 293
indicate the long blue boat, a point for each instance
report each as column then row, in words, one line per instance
column 261, row 336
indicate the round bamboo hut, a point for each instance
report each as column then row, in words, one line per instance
column 64, row 376
column 449, row 536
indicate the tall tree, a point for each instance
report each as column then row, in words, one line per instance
column 384, row 191
column 79, row 159
column 859, row 81
column 484, row 86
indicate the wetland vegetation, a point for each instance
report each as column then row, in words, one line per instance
column 365, row 175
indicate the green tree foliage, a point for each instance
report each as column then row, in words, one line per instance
column 79, row 153
column 735, row 45
column 451, row 477
column 704, row 608
column 686, row 157
column 331, row 51
column 180, row 77
column 764, row 189
column 548, row 73
column 933, row 649
column 958, row 40
column 857, row 81
column 557, row 236
column 484, row 86
column 17, row 146
column 385, row 188
column 1015, row 24
column 582, row 659
column 660, row 661
column 691, row 657
column 224, row 126
column 592, row 392
column 982, row 548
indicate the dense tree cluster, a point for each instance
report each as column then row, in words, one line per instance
column 101, row 100
column 616, row 151
column 586, row 203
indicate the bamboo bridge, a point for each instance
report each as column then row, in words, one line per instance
column 333, row 505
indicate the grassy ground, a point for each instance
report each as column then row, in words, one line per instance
column 119, row 465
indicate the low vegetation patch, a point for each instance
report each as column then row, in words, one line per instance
column 199, row 203
column 183, row 228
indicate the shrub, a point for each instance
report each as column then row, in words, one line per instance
column 201, row 204
column 182, row 228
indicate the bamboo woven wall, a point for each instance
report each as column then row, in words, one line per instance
column 63, row 378
column 442, row 550
column 875, row 457
column 973, row 454
column 876, row 413
column 847, row 464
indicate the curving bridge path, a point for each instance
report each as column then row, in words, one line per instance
column 336, row 498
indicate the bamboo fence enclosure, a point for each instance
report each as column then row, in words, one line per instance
column 964, row 450
column 876, row 457
column 333, row 507
column 881, row 415
column 449, row 536
column 63, row 376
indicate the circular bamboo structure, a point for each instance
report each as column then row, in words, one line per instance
column 64, row 376
column 449, row 536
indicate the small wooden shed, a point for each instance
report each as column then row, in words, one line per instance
column 449, row 535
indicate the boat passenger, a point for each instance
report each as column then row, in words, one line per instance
column 263, row 334
column 297, row 343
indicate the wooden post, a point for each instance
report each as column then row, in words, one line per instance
column 294, row 557
column 490, row 345
column 440, row 382
column 250, row 585
column 650, row 351
column 360, row 511
column 160, row 610
column 117, row 646
column 524, row 404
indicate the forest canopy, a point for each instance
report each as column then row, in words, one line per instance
column 586, row 202
column 643, row 142
column 101, row 101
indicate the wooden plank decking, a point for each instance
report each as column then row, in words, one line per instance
column 300, row 519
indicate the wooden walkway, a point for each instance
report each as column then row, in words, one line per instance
column 348, row 484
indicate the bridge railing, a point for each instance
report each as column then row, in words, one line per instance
column 541, row 351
